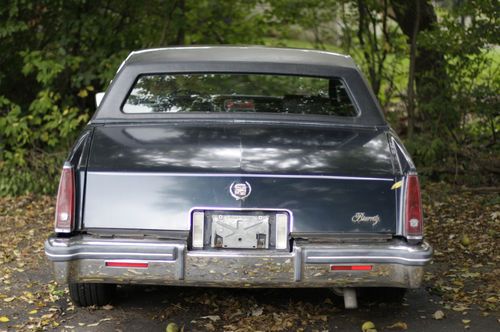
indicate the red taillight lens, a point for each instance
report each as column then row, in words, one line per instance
column 127, row 264
column 413, row 209
column 350, row 267
column 65, row 207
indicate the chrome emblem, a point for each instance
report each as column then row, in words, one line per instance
column 360, row 217
column 240, row 190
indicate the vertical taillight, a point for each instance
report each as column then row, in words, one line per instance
column 65, row 206
column 413, row 209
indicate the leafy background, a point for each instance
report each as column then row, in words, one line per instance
column 433, row 65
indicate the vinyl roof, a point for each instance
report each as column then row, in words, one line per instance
column 238, row 54
column 239, row 59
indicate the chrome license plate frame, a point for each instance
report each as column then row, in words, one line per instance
column 240, row 231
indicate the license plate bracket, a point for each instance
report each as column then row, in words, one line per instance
column 240, row 231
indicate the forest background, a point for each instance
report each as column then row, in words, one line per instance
column 434, row 66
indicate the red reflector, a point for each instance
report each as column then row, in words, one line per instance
column 127, row 264
column 350, row 267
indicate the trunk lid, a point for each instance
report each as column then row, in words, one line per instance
column 151, row 176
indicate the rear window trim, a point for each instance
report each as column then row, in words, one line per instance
column 173, row 115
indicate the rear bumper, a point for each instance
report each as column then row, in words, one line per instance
column 83, row 259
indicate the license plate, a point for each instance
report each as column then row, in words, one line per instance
column 240, row 231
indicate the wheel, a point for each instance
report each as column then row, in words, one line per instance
column 91, row 294
column 383, row 294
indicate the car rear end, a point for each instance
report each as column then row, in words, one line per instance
column 256, row 202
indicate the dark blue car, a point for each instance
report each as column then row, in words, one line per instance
column 238, row 167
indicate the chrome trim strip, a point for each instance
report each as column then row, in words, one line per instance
column 401, row 218
column 145, row 244
column 243, row 175
column 367, row 258
column 254, row 253
column 97, row 253
column 179, row 272
column 298, row 264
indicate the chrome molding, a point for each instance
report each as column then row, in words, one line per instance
column 298, row 263
column 107, row 253
column 326, row 259
column 244, row 175
column 401, row 217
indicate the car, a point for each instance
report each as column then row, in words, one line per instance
column 238, row 167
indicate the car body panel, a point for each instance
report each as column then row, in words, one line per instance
column 151, row 176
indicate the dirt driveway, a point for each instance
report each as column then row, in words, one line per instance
column 461, row 290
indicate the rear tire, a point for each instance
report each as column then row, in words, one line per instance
column 84, row 295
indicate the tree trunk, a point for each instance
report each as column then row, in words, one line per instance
column 410, row 104
column 431, row 79
column 181, row 33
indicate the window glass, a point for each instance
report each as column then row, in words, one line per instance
column 223, row 92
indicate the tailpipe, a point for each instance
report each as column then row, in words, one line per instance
column 350, row 297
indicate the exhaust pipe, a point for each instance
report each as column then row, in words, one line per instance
column 350, row 297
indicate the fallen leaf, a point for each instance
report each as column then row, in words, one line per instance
column 107, row 307
column 9, row 299
column 465, row 240
column 438, row 314
column 172, row 327
column 210, row 327
column 257, row 311
column 213, row 318
column 32, row 312
column 466, row 321
column 368, row 327
column 4, row 319
column 99, row 322
column 398, row 325
column 459, row 308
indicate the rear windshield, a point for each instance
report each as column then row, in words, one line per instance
column 216, row 92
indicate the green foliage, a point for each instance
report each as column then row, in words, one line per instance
column 463, row 130
column 58, row 54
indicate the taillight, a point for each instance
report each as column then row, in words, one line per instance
column 413, row 209
column 65, row 206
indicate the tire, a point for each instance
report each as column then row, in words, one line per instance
column 85, row 295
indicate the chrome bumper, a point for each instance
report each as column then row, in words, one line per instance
column 83, row 259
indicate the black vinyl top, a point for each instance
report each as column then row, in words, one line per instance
column 240, row 59
column 238, row 54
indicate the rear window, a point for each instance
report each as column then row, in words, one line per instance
column 216, row 92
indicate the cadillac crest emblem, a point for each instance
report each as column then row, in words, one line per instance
column 240, row 190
